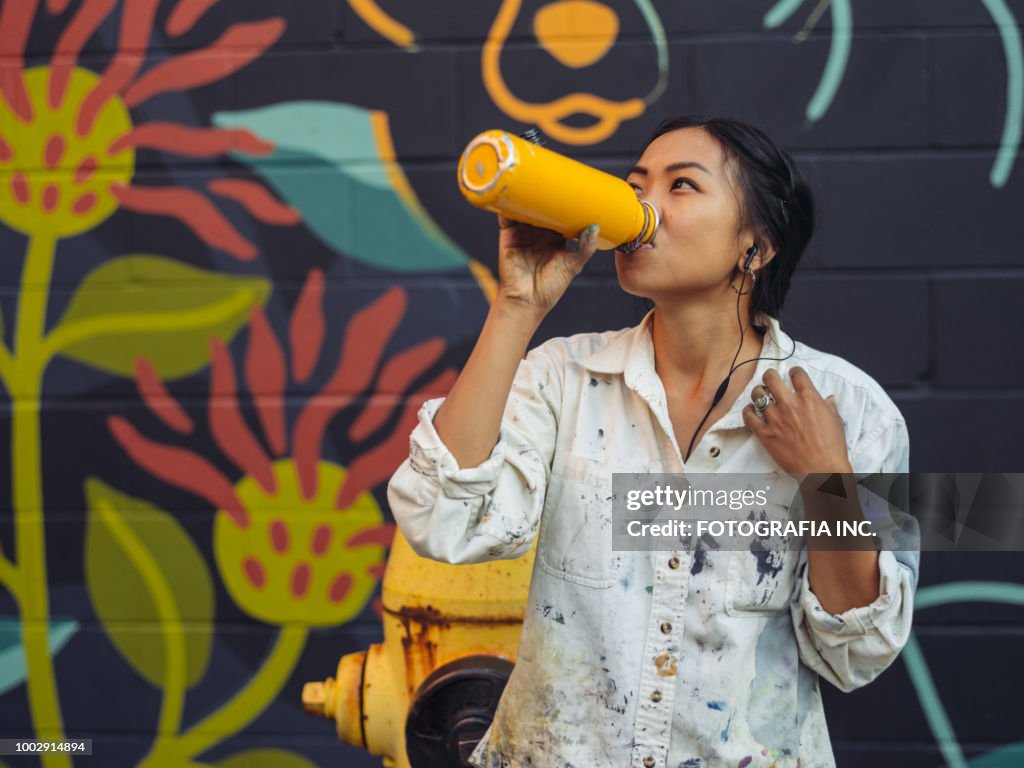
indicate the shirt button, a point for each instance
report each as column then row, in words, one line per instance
column 648, row 762
column 673, row 562
column 665, row 628
column 656, row 696
column 715, row 450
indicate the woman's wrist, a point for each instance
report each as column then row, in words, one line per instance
column 523, row 317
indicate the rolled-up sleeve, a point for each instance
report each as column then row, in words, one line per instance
column 492, row 511
column 852, row 648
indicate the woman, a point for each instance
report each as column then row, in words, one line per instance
column 694, row 657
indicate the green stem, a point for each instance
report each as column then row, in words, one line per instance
column 6, row 366
column 235, row 714
column 29, row 363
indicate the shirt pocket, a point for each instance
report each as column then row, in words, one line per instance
column 762, row 576
column 575, row 541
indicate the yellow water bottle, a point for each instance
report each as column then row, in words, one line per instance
column 516, row 177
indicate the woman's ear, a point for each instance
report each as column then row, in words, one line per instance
column 758, row 259
column 755, row 258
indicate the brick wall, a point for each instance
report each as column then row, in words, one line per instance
column 913, row 275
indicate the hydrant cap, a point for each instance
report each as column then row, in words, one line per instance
column 452, row 709
column 314, row 699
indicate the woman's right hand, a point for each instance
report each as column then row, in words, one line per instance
column 535, row 266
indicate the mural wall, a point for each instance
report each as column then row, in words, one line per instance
column 234, row 261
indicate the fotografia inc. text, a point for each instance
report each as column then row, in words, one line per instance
column 750, row 528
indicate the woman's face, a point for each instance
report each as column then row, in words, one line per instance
column 698, row 246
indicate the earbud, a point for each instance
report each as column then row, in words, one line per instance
column 751, row 253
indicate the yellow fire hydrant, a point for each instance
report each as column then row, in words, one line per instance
column 425, row 696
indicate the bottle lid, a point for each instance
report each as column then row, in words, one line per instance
column 484, row 161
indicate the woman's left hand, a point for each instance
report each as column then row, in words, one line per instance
column 801, row 430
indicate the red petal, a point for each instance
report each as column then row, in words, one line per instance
column 397, row 374
column 255, row 198
column 15, row 22
column 367, row 333
column 378, row 535
column 229, row 429
column 185, row 14
column 237, row 47
column 193, row 142
column 380, row 462
column 181, row 468
column 136, row 24
column 83, row 24
column 306, row 331
column 160, row 402
column 193, row 210
column 265, row 372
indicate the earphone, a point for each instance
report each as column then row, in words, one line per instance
column 720, row 392
column 751, row 253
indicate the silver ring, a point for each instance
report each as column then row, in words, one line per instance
column 761, row 402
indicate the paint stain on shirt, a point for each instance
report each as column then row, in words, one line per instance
column 666, row 665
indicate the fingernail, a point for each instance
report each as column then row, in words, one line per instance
column 572, row 245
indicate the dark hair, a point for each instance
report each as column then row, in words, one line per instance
column 776, row 200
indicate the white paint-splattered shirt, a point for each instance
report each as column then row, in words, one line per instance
column 693, row 658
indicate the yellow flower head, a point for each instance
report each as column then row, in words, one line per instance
column 68, row 143
column 55, row 180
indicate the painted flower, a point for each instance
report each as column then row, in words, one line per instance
column 298, row 538
column 68, row 141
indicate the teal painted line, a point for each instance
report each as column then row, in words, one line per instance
column 1010, row 142
column 934, row 712
column 838, row 53
column 779, row 13
column 838, row 56
column 12, row 654
column 942, row 594
column 660, row 45
column 969, row 592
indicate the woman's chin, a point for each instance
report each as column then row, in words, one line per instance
column 631, row 283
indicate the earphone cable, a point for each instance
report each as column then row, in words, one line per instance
column 720, row 392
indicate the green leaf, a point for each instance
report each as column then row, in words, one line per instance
column 156, row 307
column 12, row 652
column 142, row 570
column 266, row 758
column 336, row 165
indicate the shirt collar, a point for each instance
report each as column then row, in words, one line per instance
column 631, row 353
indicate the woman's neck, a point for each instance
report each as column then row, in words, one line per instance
column 694, row 345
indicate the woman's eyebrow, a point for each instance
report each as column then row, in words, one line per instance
column 642, row 171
